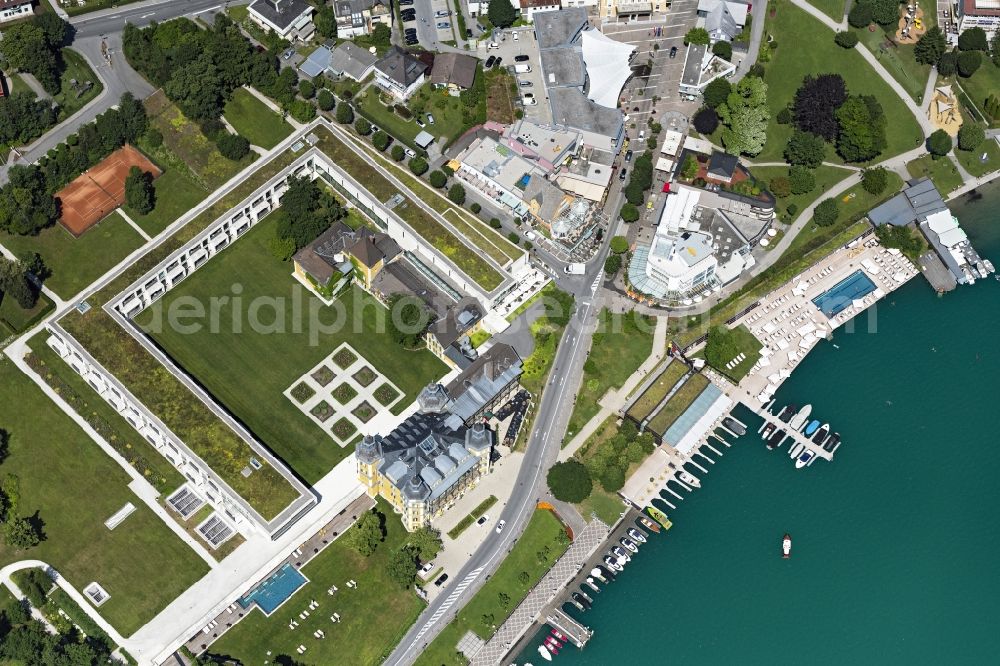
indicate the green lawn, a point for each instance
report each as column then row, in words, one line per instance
column 832, row 8
column 982, row 84
column 254, row 120
column 239, row 368
column 76, row 262
column 74, row 487
column 678, row 403
column 805, row 46
column 826, row 177
column 942, row 171
column 176, row 194
column 15, row 319
column 657, row 391
column 374, row 616
column 17, row 84
column 76, row 68
column 485, row 613
column 628, row 339
column 744, row 342
column 390, row 121
column 970, row 159
column 899, row 61
column 185, row 140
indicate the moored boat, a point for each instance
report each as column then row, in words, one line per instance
column 649, row 524
column 804, row 459
column 795, row 449
column 811, row 428
column 636, row 535
column 800, row 418
column 628, row 543
column 613, row 563
column 544, row 651
column 821, row 434
column 768, row 429
column 786, row 546
column 688, row 478
column 776, row 439
column 581, row 599
column 787, row 413
column 733, row 425
column 659, row 516
column 558, row 634
column 831, row 443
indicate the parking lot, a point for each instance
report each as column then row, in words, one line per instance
column 508, row 49
column 427, row 22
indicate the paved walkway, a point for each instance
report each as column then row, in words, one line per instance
column 553, row 583
column 614, row 400
column 132, row 223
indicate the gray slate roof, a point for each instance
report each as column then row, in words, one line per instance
column 281, row 13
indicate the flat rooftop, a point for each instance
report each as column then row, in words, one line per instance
column 563, row 67
column 559, row 27
column 571, row 107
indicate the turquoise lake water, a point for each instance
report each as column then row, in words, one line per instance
column 896, row 543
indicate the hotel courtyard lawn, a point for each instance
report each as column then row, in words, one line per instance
column 248, row 367
column 485, row 612
column 72, row 486
column 373, row 617
column 806, row 46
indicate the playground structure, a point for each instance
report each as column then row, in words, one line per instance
column 944, row 112
column 911, row 25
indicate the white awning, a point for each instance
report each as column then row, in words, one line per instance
column 608, row 68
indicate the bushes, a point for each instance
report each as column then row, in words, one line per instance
column 437, row 179
column 784, row 117
column 847, row 40
column 969, row 62
column 307, row 89
column 139, row 193
column 397, row 153
column 457, row 194
column 325, row 100
column 301, row 110
column 801, row 180
column 344, row 114
column 570, row 481
column 826, row 212
column 697, row 36
column 233, row 146
column 380, row 140
column 970, row 136
column 860, row 15
column 723, row 49
column 418, row 166
column 780, row 187
column 362, row 127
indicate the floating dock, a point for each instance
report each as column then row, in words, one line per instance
column 573, row 630
column 795, row 436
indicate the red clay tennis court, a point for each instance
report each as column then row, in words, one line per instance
column 95, row 193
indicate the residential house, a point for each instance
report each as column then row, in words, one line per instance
column 14, row 9
column 289, row 19
column 701, row 67
column 359, row 17
column 723, row 19
column 340, row 249
column 454, row 71
column 347, row 59
column 399, row 73
column 531, row 7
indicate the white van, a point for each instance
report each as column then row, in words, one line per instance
column 522, row 69
column 575, row 269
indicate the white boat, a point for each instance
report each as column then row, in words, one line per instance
column 795, row 450
column 621, row 554
column 636, row 535
column 804, row 459
column 799, row 419
column 689, row 479
column 989, row 265
column 628, row 543
column 544, row 651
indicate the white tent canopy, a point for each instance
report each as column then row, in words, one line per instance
column 608, row 68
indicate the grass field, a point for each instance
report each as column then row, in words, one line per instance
column 76, row 262
column 176, row 194
column 826, row 177
column 239, row 368
column 628, row 339
column 15, row 319
column 970, row 159
column 74, row 487
column 76, row 68
column 657, row 391
column 606, row 506
column 942, row 171
column 746, row 343
column 185, row 140
column 678, row 403
column 485, row 612
column 982, row 84
column 806, row 46
column 254, row 120
column 374, row 616
column 832, row 8
column 899, row 61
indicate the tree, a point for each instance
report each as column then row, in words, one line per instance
column 612, row 264
column 325, row 100
column 344, row 114
column 35, row 585
column 504, row 599
column 931, row 45
column 862, row 129
column 307, row 88
column 22, row 533
column 570, row 481
column 846, row 39
column 612, row 478
column 382, row 34
column 716, row 92
column 641, row 179
column 939, row 143
column 380, row 140
column 969, row 62
column 780, row 186
column 418, row 166
column 947, row 64
column 302, row 110
column 457, row 194
column 816, row 103
column 197, row 88
column 885, row 12
column 619, row 245
column 501, row 15
column 706, row 120
column 861, row 15
column 233, row 146
column 826, row 212
column 15, row 283
column 723, row 49
column 721, row 347
column 437, row 179
column 367, row 533
column 690, row 167
column 801, row 180
column 745, row 115
column 875, row 180
column 806, row 149
column 970, row 135
column 402, row 567
column 362, row 126
column 139, row 193
column 22, row 117
column 309, row 211
column 495, row 223
column 697, row 36
column 995, row 48
column 513, row 238
column 426, row 543
column 398, row 153
column 629, row 213
column 475, row 208
column 973, row 39
column 408, row 319
column 325, row 21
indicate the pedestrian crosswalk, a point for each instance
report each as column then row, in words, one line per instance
column 449, row 602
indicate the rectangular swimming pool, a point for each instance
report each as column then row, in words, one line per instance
column 275, row 590
column 835, row 300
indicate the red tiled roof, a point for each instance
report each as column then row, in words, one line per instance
column 969, row 9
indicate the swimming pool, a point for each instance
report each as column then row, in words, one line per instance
column 275, row 590
column 833, row 301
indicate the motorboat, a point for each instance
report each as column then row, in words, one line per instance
column 768, row 429
column 800, row 418
column 688, row 478
column 804, row 459
column 591, row 584
column 659, row 516
column 628, row 543
column 811, row 428
column 649, row 524
column 607, row 571
column 582, row 600
column 731, row 424
column 786, row 546
column 989, row 265
column 544, row 651
column 821, row 434
column 795, row 449
column 552, row 644
column 776, row 439
column 598, row 574
column 787, row 413
column 621, row 554
column 636, row 535
column 611, row 562
column 831, row 443
column 558, row 634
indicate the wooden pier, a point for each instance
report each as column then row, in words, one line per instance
column 570, row 628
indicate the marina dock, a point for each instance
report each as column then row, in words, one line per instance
column 570, row 628
column 793, row 436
